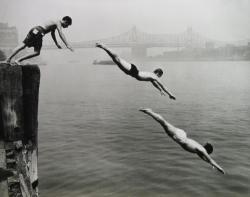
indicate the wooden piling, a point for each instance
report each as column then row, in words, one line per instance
column 19, row 94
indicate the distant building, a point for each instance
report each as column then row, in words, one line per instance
column 209, row 45
column 8, row 37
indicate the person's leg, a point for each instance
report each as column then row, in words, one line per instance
column 16, row 50
column 170, row 129
column 123, row 65
column 36, row 53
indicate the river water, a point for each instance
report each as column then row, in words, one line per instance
column 94, row 142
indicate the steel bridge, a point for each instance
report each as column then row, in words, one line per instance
column 139, row 41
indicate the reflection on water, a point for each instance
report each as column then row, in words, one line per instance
column 93, row 141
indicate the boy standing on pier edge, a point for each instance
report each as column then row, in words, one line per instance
column 35, row 38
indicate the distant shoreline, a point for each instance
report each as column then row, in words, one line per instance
column 196, row 59
column 103, row 62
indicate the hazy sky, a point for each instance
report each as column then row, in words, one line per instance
column 226, row 20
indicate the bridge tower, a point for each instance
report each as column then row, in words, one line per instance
column 137, row 49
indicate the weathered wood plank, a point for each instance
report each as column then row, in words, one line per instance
column 19, row 95
column 11, row 104
column 3, row 183
column 31, row 82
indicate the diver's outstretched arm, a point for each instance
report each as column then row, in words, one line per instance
column 214, row 164
column 208, row 159
column 158, row 87
column 171, row 96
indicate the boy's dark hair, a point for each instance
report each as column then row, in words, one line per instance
column 158, row 71
column 67, row 19
column 209, row 148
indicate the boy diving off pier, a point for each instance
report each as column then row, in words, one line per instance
column 35, row 38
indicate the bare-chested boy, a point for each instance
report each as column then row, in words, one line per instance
column 180, row 136
column 131, row 69
column 35, row 38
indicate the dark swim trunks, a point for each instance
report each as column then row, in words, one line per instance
column 133, row 71
column 35, row 38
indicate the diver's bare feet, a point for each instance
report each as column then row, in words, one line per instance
column 146, row 110
column 17, row 62
column 7, row 61
column 99, row 45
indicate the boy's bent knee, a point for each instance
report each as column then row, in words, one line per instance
column 37, row 53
